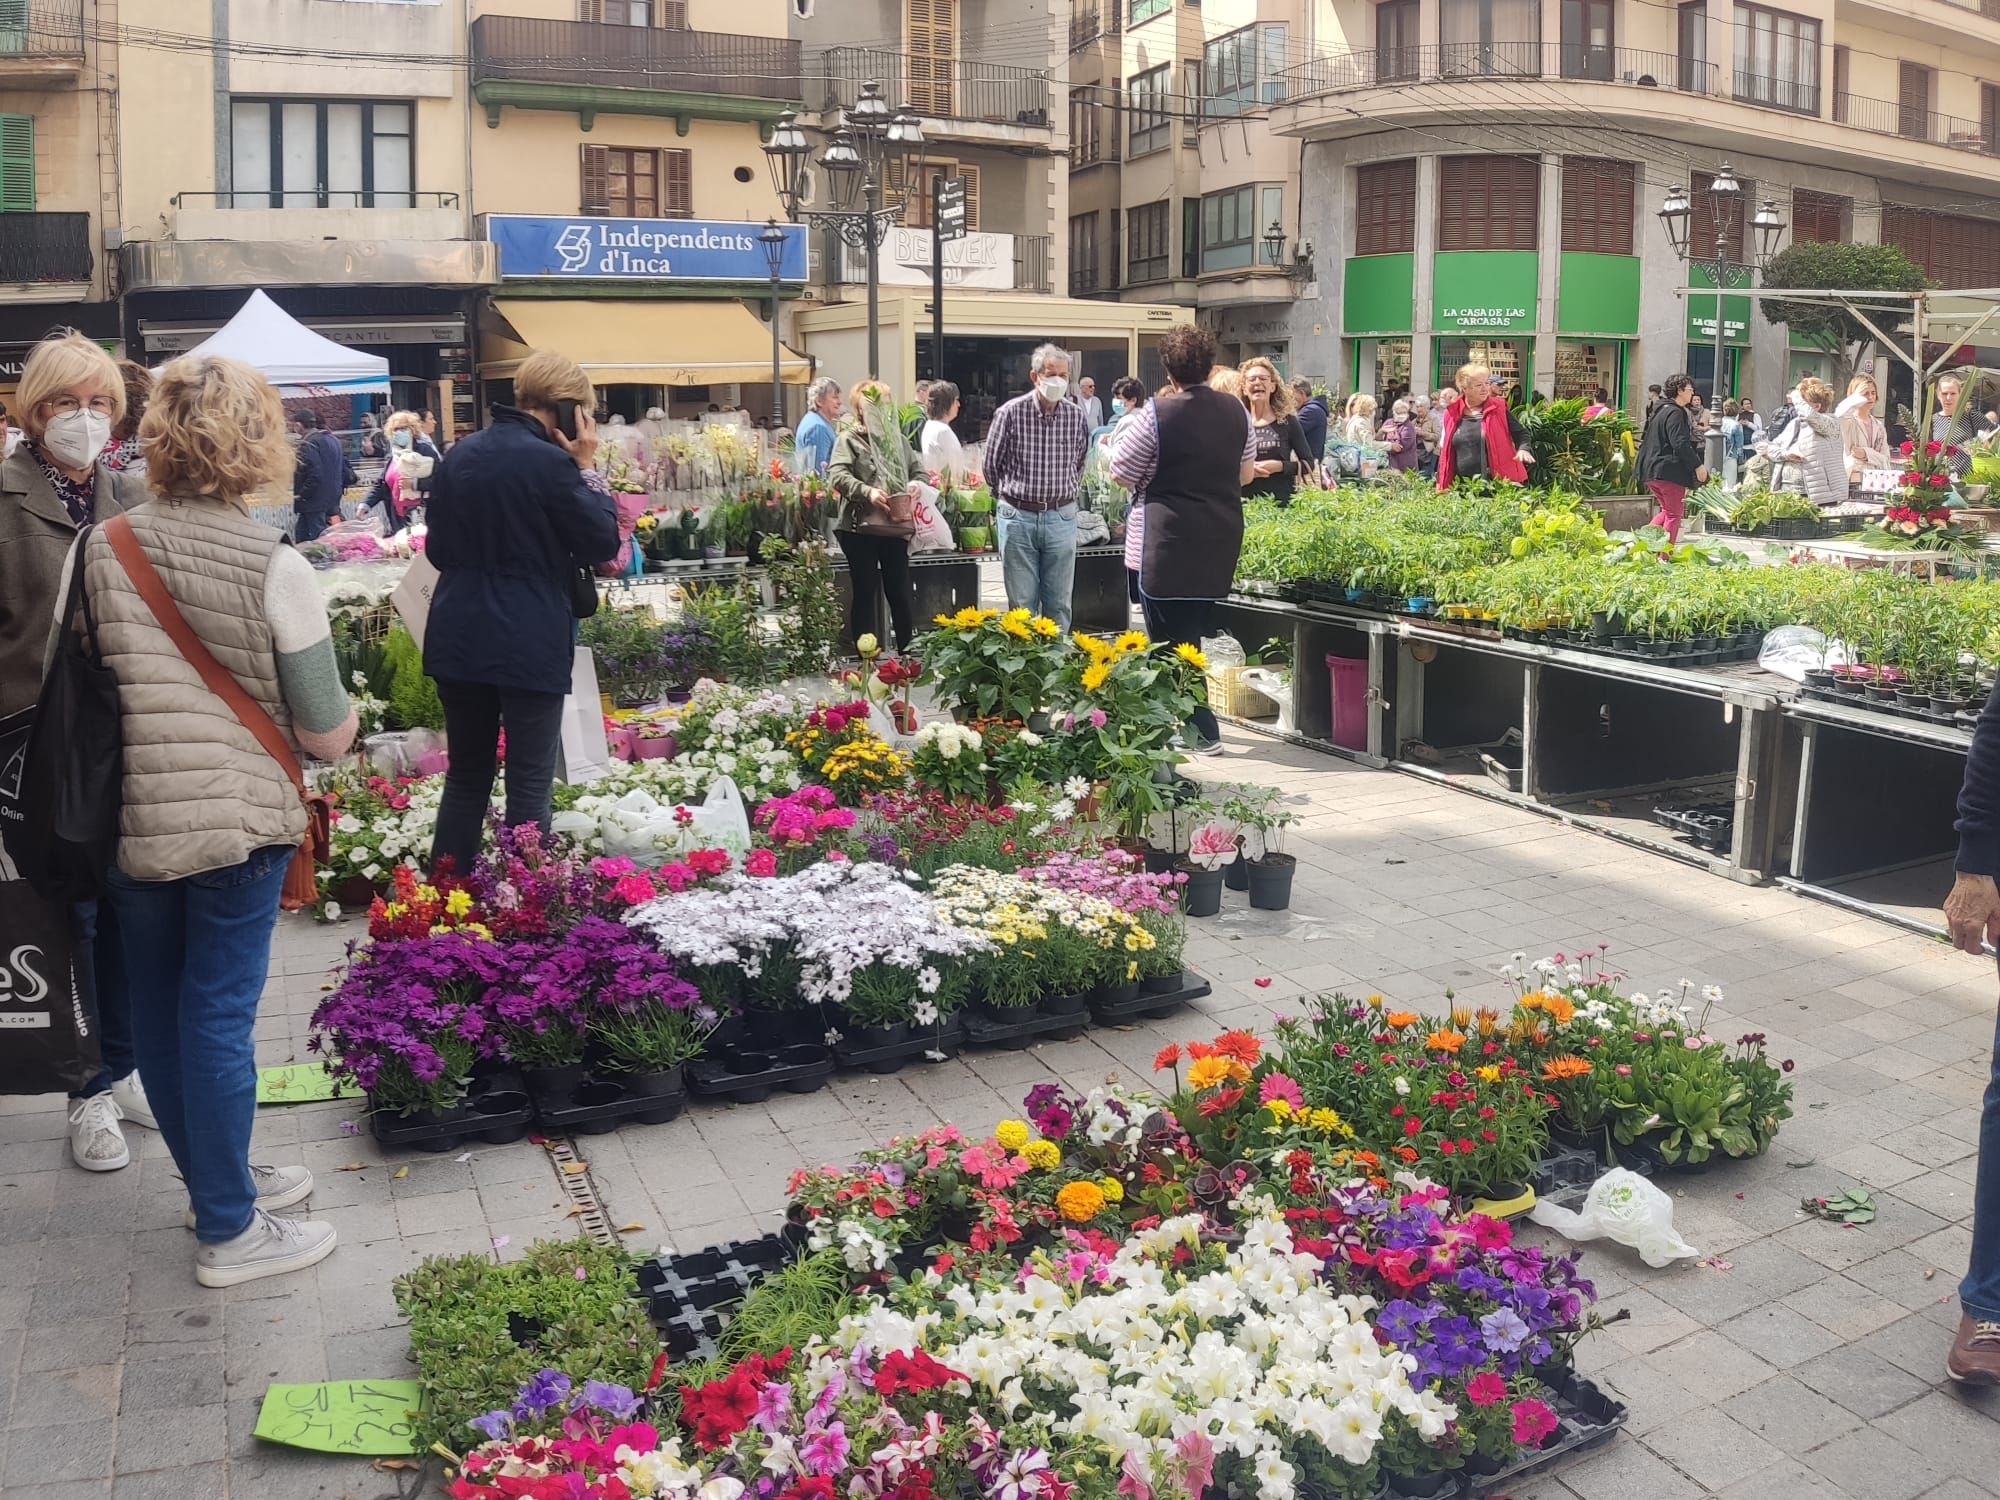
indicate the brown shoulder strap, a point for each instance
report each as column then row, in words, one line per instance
column 221, row 681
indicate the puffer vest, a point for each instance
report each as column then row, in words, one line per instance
column 199, row 792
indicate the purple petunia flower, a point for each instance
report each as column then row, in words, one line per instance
column 1503, row 1329
column 498, row 1426
column 614, row 1401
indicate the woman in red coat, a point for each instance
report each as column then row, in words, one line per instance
column 1481, row 438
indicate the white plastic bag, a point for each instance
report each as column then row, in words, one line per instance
column 1626, row 1208
column 933, row 532
column 642, row 828
column 1793, row 650
column 1277, row 686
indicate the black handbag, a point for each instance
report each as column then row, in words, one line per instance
column 61, row 827
column 582, row 593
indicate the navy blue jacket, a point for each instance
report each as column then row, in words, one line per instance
column 1979, row 797
column 511, row 522
column 321, row 474
column 1313, row 417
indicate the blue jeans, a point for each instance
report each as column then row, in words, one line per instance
column 100, row 967
column 197, row 951
column 1979, row 1293
column 1038, row 559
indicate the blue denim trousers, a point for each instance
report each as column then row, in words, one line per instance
column 197, row 951
column 1979, row 1293
column 1038, row 559
column 100, row 964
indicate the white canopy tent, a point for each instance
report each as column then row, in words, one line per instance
column 291, row 356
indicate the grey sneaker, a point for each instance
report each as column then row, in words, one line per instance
column 95, row 1142
column 277, row 1187
column 271, row 1246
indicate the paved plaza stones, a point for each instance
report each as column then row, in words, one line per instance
column 1799, row 1359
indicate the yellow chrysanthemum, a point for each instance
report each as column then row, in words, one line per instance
column 1080, row 1202
column 1281, row 1109
column 1096, row 675
column 1194, row 656
column 1044, row 1156
column 1328, row 1122
column 1113, row 1189
column 1013, row 1134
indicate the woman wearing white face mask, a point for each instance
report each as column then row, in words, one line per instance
column 52, row 485
column 406, row 477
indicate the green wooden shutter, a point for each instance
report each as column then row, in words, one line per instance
column 17, row 164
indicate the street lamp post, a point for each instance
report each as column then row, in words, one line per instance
column 856, row 162
column 773, row 241
column 1725, row 193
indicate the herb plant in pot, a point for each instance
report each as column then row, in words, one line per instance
column 1210, row 847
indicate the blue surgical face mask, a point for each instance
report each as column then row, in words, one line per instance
column 1117, row 406
column 402, row 439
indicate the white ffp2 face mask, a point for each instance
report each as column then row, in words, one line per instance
column 1052, row 388
column 75, row 438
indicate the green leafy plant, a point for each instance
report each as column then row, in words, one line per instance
column 413, row 696
column 802, row 577
column 726, row 613
column 790, row 1307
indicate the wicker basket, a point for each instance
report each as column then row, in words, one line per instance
column 1229, row 694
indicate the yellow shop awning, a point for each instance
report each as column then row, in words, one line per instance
column 641, row 343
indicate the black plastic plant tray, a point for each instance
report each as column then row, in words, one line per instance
column 1564, row 1176
column 1589, row 1419
column 499, row 1124
column 983, row 1030
column 946, row 1037
column 1712, row 825
column 1150, row 1005
column 603, row 1103
column 797, row 1070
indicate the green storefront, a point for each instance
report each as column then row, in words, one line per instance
column 1701, row 329
column 1485, row 306
column 1597, row 317
column 1378, row 312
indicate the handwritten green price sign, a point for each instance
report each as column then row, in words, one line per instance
column 297, row 1083
column 366, row 1417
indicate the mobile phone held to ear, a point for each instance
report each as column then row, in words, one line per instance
column 566, row 419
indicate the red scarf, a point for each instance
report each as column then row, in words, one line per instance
column 1503, row 461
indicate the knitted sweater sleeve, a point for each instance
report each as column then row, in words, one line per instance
column 323, row 720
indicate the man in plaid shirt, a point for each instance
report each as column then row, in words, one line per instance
column 1035, row 450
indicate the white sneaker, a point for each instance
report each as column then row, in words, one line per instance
column 95, row 1142
column 129, row 1093
column 277, row 1187
column 271, row 1246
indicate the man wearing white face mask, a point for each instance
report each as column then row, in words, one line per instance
column 52, row 485
column 1035, row 451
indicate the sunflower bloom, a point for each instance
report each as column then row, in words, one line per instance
column 1194, row 656
column 1096, row 675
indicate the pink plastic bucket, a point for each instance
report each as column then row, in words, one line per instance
column 1350, row 701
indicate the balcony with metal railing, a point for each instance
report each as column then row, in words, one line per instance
column 38, row 249
column 951, row 91
column 588, row 68
column 1344, row 72
column 1085, row 28
column 41, row 43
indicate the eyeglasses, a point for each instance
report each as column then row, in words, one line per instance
column 62, row 406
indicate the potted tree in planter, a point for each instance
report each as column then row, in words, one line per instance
column 1260, row 814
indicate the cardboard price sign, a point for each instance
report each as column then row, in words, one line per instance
column 296, row 1083
column 370, row 1418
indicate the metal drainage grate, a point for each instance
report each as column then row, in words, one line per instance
column 582, row 1192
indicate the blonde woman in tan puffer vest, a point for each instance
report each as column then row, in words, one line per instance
column 209, row 819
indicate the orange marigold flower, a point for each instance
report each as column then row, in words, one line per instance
column 1240, row 1045
column 1206, row 1072
column 1445, row 1041
column 1405, row 1153
column 1167, row 1057
column 1396, row 1020
column 1080, row 1202
column 1560, row 1069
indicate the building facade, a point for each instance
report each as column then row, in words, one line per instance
column 317, row 149
column 1485, row 177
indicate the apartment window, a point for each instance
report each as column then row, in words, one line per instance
column 1840, row 65
column 1145, row 10
column 1385, row 208
column 1915, row 84
column 1245, row 70
column 917, row 210
column 320, row 153
column 17, row 164
column 668, row 13
column 1702, row 225
column 1146, row 247
column 1487, row 38
column 637, row 182
column 1233, row 224
column 1397, row 40
column 1777, row 59
column 1598, row 203
column 1190, row 238
column 1691, row 23
column 1149, row 108
column 932, row 34
column 1488, row 202
column 1082, row 254
column 1819, row 218
column 1589, row 40
column 1989, row 117
column 1953, row 250
column 1085, row 147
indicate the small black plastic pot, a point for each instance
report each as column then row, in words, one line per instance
column 1271, row 881
column 1236, row 874
column 652, row 1085
column 1164, row 984
column 1065, row 1005
column 1120, row 994
column 1202, row 895
column 557, row 1082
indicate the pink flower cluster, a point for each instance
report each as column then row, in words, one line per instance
column 630, row 885
column 1114, row 875
column 803, row 817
